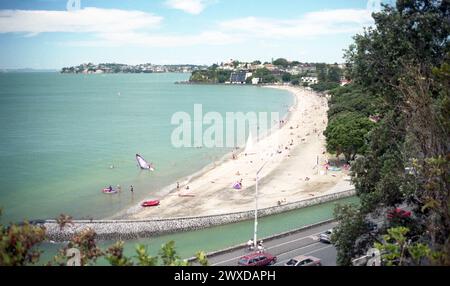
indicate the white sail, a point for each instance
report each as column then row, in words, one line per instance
column 143, row 164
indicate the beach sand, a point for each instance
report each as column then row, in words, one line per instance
column 289, row 176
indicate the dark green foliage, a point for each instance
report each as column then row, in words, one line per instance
column 403, row 62
column 346, row 235
column 286, row 77
column 346, row 134
column 281, row 62
column 265, row 76
column 352, row 98
column 212, row 75
column 17, row 244
column 324, row 86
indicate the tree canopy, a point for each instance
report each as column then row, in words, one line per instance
column 403, row 63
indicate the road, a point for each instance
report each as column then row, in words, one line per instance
column 304, row 242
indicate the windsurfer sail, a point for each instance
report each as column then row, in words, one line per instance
column 143, row 164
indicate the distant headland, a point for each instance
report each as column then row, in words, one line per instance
column 90, row 68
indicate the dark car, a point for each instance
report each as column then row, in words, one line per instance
column 257, row 259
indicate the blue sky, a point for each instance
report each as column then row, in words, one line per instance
column 46, row 34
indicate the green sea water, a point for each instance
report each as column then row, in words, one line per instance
column 61, row 133
column 220, row 237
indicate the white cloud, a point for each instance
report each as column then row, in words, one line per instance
column 87, row 20
column 157, row 40
column 194, row 7
column 113, row 27
column 312, row 24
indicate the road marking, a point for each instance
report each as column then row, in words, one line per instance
column 307, row 253
column 275, row 246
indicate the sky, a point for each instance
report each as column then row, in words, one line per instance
column 51, row 34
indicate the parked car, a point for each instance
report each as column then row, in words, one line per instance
column 398, row 213
column 304, row 261
column 257, row 259
column 326, row 236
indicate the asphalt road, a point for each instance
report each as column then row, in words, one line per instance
column 305, row 242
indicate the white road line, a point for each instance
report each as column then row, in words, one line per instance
column 274, row 246
column 308, row 253
column 300, row 248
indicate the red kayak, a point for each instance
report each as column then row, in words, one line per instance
column 150, row 203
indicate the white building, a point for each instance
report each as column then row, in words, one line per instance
column 309, row 80
column 255, row 80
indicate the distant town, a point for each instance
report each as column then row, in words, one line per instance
column 90, row 68
column 319, row 76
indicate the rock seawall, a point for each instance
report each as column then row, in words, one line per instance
column 133, row 229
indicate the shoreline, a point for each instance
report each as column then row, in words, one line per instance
column 212, row 185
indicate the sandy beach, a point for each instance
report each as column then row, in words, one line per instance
column 289, row 154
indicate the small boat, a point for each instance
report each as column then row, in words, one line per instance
column 144, row 164
column 153, row 203
column 109, row 191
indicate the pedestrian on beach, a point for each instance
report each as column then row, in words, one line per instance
column 131, row 189
column 178, row 186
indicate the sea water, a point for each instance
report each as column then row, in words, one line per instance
column 62, row 133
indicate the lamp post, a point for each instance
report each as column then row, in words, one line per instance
column 255, row 234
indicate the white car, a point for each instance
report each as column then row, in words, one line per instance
column 326, row 236
column 304, row 261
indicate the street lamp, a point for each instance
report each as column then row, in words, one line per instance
column 256, row 205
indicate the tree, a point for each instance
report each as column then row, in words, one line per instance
column 18, row 244
column 281, row 62
column 286, row 77
column 334, row 74
column 351, row 226
column 352, row 98
column 321, row 72
column 114, row 255
column 169, row 255
column 324, row 86
column 347, row 134
column 398, row 250
column 265, row 76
